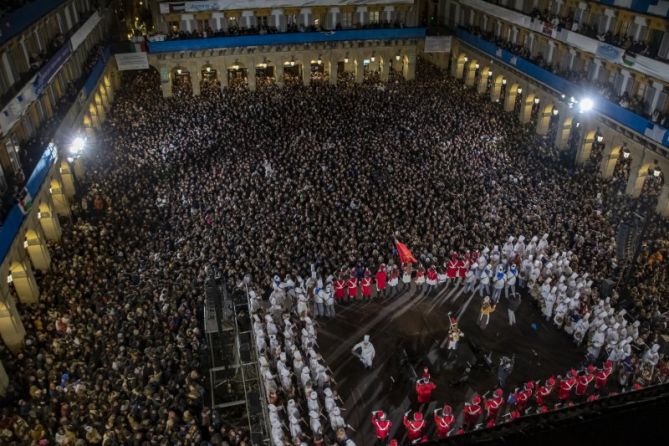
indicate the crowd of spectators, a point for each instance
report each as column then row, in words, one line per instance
column 233, row 29
column 267, row 183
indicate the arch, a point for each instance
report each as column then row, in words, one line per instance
column 317, row 72
column 586, row 147
column 496, row 90
column 209, row 81
column 238, row 75
column 37, row 250
column 49, row 221
column 182, row 84
column 510, row 97
column 292, row 72
column 59, row 198
column 346, row 69
column 23, row 279
column 265, row 74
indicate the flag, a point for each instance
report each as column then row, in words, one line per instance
column 405, row 253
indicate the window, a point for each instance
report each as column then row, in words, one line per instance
column 346, row 19
column 374, row 17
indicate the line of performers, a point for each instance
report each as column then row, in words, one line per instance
column 389, row 279
column 487, row 411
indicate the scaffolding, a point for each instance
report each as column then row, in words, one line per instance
column 235, row 387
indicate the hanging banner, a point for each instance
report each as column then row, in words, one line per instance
column 609, row 53
column 50, row 68
column 83, row 32
column 132, row 61
column 438, row 44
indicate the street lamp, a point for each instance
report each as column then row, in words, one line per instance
column 556, row 111
column 77, row 146
column 626, row 153
column 520, row 90
column 600, row 138
column 656, row 172
column 536, row 100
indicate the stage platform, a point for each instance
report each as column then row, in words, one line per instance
column 406, row 332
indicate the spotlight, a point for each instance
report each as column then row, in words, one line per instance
column 586, row 105
column 77, row 145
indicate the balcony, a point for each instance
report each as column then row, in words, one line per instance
column 19, row 19
column 652, row 68
column 70, row 108
column 607, row 108
column 209, row 43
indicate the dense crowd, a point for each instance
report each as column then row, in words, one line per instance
column 268, row 183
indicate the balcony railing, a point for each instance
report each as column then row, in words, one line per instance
column 16, row 21
column 169, row 46
column 609, row 109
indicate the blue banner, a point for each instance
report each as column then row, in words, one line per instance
column 50, row 68
column 609, row 52
column 168, row 46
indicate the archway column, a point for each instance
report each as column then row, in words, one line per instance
column 510, row 98
column 251, row 76
column 637, row 177
column 37, row 250
column 11, row 330
column 585, row 147
column 610, row 157
column 564, row 129
column 4, row 380
column 60, row 201
column 67, row 177
column 544, row 120
column 359, row 71
column 663, row 201
column 525, row 113
column 49, row 222
column 409, row 69
column 334, row 67
column 24, row 282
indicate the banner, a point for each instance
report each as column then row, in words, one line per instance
column 50, row 68
column 132, row 61
column 81, row 34
column 609, row 53
column 438, row 44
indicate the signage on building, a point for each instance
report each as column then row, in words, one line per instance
column 438, row 44
column 132, row 61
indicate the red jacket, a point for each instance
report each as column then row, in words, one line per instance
column 414, row 428
column 492, row 406
column 432, row 274
column 382, row 427
column 582, row 383
column 543, row 392
column 381, row 277
column 601, row 376
column 340, row 288
column 564, row 392
column 472, row 413
column 352, row 287
column 452, row 269
column 444, row 423
column 424, row 391
column 462, row 268
column 366, row 287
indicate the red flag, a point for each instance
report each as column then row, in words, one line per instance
column 405, row 253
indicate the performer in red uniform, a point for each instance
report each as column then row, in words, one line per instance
column 352, row 288
column 583, row 381
column 381, row 424
column 444, row 420
column 432, row 278
column 566, row 384
column 366, row 284
column 381, row 276
column 426, row 373
column 452, row 267
column 463, row 267
column 472, row 411
column 543, row 392
column 414, row 426
column 602, row 375
column 493, row 404
column 424, row 389
column 340, row 288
